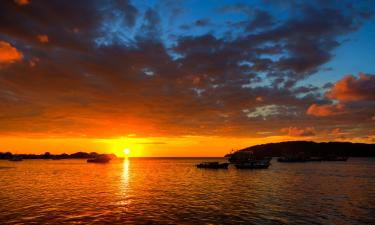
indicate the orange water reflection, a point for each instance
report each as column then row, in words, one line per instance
column 174, row 191
column 124, row 187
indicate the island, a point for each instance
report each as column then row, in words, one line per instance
column 306, row 151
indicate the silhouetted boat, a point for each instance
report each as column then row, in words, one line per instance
column 213, row 165
column 300, row 157
column 100, row 159
column 334, row 158
column 254, row 164
column 315, row 159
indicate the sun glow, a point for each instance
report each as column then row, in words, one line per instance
column 126, row 151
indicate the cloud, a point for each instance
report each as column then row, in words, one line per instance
column 261, row 19
column 22, row 2
column 351, row 88
column 151, row 143
column 296, row 132
column 337, row 133
column 42, row 38
column 8, row 53
column 117, row 72
column 34, row 61
column 202, row 22
column 325, row 110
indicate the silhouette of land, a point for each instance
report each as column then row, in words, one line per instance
column 313, row 149
column 310, row 148
column 48, row 155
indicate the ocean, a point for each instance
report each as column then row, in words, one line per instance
column 174, row 191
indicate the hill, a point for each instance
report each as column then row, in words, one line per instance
column 312, row 149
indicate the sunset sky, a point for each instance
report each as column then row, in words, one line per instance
column 184, row 78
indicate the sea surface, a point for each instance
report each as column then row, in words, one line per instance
column 174, row 191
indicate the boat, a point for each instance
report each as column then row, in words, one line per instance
column 213, row 165
column 303, row 158
column 249, row 160
column 299, row 157
column 100, row 159
column 254, row 164
column 315, row 159
column 334, row 158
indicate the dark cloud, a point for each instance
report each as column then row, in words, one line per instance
column 261, row 19
column 202, row 22
column 90, row 77
column 151, row 25
column 349, row 101
column 128, row 11
column 236, row 8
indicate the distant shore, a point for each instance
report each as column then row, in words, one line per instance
column 310, row 148
column 48, row 155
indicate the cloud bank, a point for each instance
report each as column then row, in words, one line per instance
column 129, row 69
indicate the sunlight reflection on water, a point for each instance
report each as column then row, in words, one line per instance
column 164, row 191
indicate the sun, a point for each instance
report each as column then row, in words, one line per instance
column 126, row 151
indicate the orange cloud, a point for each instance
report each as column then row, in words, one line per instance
column 33, row 62
column 337, row 133
column 351, row 88
column 294, row 131
column 8, row 53
column 259, row 99
column 22, row 2
column 43, row 38
column 325, row 110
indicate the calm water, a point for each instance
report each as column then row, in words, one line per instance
column 164, row 191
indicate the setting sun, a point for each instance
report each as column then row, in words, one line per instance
column 126, row 151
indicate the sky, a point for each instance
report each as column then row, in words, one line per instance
column 184, row 78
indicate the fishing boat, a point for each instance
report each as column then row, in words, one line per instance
column 99, row 159
column 299, row 157
column 213, row 165
column 254, row 164
column 334, row 158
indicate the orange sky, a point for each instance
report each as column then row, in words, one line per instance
column 139, row 147
column 188, row 146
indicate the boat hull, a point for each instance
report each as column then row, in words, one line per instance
column 250, row 166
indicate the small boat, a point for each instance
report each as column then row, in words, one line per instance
column 213, row 165
column 254, row 164
column 99, row 160
column 315, row 159
column 299, row 157
column 335, row 158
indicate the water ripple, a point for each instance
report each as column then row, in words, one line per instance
column 170, row 191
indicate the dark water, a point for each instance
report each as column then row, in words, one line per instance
column 164, row 191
